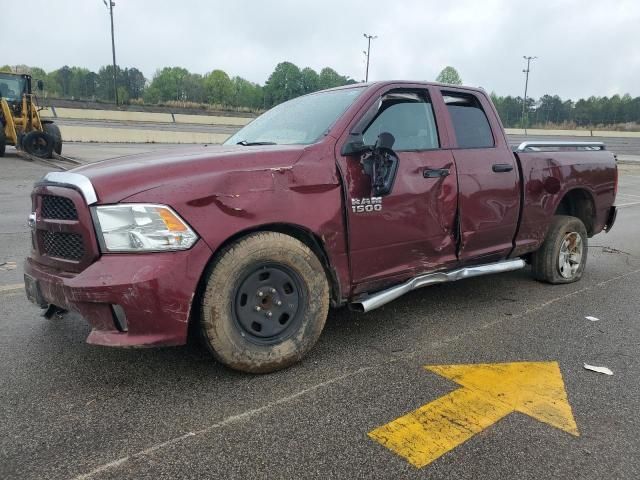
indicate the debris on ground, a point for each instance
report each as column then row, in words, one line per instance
column 8, row 266
column 593, row 368
column 593, row 319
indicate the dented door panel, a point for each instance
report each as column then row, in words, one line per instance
column 414, row 228
column 489, row 202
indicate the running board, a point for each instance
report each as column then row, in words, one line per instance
column 376, row 300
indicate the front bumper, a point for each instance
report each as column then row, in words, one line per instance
column 154, row 290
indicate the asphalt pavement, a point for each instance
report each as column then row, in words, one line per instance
column 72, row 410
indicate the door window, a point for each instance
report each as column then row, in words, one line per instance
column 409, row 118
column 469, row 121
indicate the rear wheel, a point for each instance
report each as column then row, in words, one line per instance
column 563, row 255
column 53, row 130
column 265, row 303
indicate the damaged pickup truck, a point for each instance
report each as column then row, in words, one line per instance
column 350, row 196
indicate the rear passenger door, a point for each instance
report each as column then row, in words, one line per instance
column 489, row 191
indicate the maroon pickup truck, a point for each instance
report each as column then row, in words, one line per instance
column 350, row 196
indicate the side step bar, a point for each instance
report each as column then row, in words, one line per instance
column 378, row 299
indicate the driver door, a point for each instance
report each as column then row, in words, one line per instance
column 412, row 229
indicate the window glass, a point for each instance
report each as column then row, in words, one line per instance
column 302, row 120
column 12, row 87
column 469, row 121
column 409, row 118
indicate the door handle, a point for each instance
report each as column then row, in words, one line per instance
column 435, row 172
column 502, row 167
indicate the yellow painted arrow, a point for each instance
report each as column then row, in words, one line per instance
column 491, row 392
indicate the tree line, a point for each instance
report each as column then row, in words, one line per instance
column 178, row 86
column 553, row 110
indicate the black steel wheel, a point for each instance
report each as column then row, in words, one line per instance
column 265, row 303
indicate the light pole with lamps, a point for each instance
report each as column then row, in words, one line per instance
column 368, row 52
column 526, row 86
column 110, row 6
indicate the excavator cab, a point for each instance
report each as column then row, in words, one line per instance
column 20, row 122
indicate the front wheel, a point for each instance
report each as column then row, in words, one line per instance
column 53, row 130
column 265, row 303
column 563, row 255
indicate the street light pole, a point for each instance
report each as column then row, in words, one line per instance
column 526, row 86
column 113, row 49
column 369, row 38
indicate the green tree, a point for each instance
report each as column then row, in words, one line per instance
column 310, row 80
column 283, row 84
column 246, row 94
column 193, row 88
column 168, row 84
column 329, row 78
column 134, row 82
column 104, row 82
column 449, row 75
column 509, row 108
column 63, row 77
column 219, row 88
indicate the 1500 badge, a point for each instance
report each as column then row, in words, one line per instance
column 367, row 204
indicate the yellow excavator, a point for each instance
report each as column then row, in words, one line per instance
column 20, row 122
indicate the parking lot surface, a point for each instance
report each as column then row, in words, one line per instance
column 72, row 410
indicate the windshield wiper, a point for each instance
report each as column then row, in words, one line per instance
column 244, row 143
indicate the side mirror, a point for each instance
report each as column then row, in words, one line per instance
column 40, row 85
column 384, row 165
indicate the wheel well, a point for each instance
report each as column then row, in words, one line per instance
column 305, row 236
column 579, row 203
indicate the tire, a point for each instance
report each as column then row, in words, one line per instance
column 53, row 130
column 38, row 144
column 265, row 303
column 563, row 255
column 3, row 141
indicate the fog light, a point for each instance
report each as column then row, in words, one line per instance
column 119, row 318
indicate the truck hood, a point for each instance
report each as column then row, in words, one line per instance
column 118, row 178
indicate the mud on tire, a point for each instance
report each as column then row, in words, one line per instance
column 265, row 303
column 563, row 254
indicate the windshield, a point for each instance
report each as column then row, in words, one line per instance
column 302, row 120
column 11, row 87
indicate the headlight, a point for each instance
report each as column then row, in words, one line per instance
column 137, row 227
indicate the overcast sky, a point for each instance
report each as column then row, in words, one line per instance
column 585, row 47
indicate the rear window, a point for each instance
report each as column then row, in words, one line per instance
column 469, row 121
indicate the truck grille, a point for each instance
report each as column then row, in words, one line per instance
column 58, row 208
column 63, row 237
column 63, row 245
